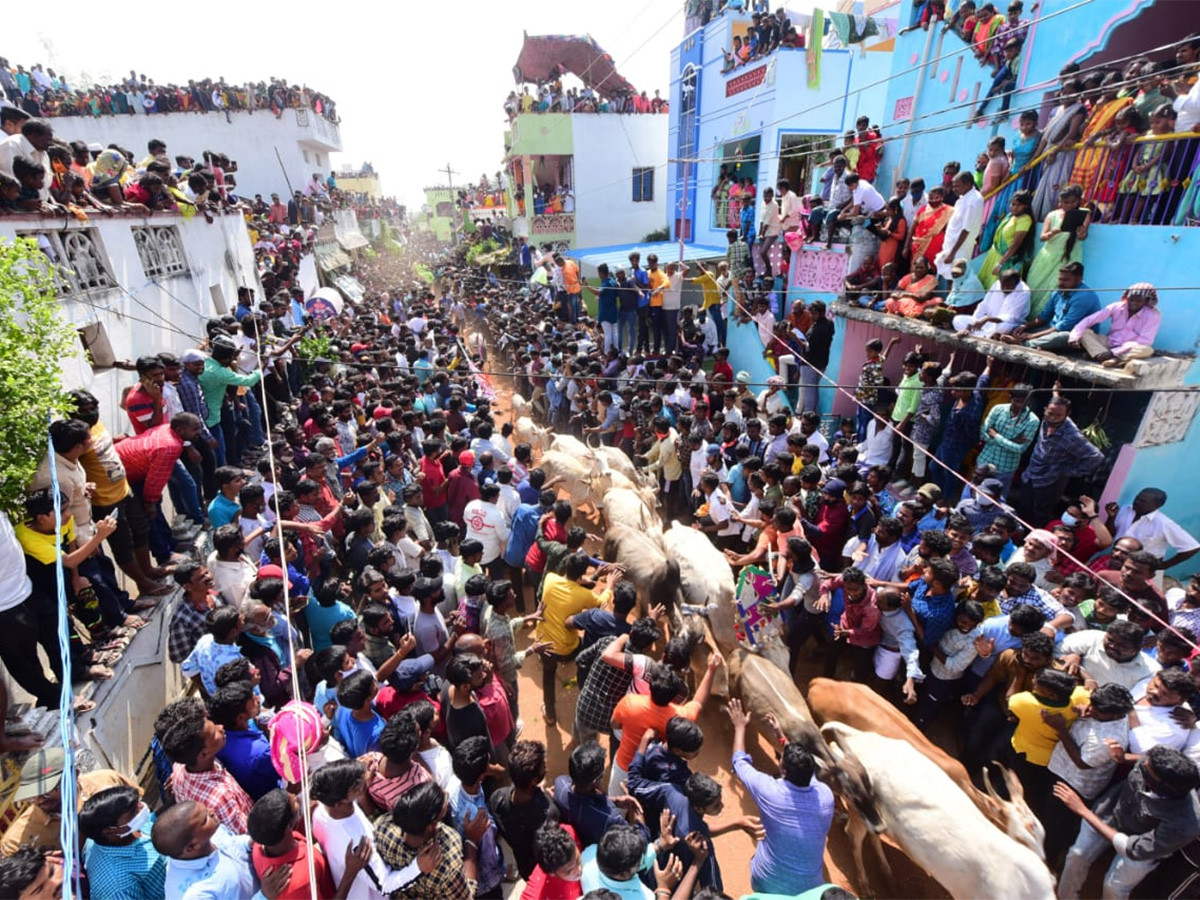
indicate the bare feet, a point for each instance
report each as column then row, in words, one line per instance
column 82, row 706
column 97, row 673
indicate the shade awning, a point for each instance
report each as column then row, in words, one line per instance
column 544, row 57
column 350, row 287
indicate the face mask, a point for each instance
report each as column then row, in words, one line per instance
column 1069, row 520
column 139, row 820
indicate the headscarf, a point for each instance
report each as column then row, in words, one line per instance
column 1047, row 540
column 108, row 167
column 296, row 724
column 1142, row 290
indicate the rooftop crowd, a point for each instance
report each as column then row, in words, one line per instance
column 551, row 97
column 43, row 93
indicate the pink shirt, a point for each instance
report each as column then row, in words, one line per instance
column 1126, row 332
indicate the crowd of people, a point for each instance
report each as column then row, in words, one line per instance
column 766, row 33
column 43, row 93
column 551, row 97
column 361, row 626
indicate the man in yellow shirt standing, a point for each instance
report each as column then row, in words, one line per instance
column 713, row 295
column 1034, row 739
column 563, row 597
column 659, row 282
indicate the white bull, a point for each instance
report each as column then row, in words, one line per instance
column 937, row 825
column 526, row 431
column 647, row 565
column 707, row 582
column 624, row 506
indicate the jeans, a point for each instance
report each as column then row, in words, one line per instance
column 627, row 328
column 185, row 496
column 809, row 392
column 1057, row 340
column 862, row 419
column 255, row 416
column 574, row 306
column 671, row 328
column 161, row 542
column 643, row 330
column 1003, row 83
column 658, row 326
column 1121, row 878
column 219, row 433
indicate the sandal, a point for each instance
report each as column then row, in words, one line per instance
column 137, row 623
column 97, row 673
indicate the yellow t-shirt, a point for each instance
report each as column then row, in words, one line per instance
column 659, row 282
column 42, row 546
column 563, row 598
column 1034, row 737
column 712, row 290
column 104, row 469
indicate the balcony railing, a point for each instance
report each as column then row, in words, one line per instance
column 1146, row 180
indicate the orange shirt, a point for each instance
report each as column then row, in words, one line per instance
column 570, row 273
column 659, row 282
column 637, row 712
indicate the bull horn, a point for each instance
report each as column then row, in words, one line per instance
column 1015, row 789
column 989, row 787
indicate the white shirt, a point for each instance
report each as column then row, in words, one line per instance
column 911, row 208
column 15, row 585
column 1155, row 725
column 18, row 145
column 1157, row 531
column 226, row 872
column 1105, row 670
column 232, row 579
column 437, row 759
column 335, row 835
column 876, row 450
column 816, row 439
column 1187, row 109
column 72, row 484
column 719, row 509
column 485, row 522
column 967, row 220
column 789, row 211
column 766, row 327
column 866, row 198
column 1090, row 737
column 770, row 218
column 673, row 293
column 1012, row 308
column 508, row 502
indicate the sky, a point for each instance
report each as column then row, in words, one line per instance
column 417, row 87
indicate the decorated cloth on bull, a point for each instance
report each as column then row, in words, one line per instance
column 754, row 624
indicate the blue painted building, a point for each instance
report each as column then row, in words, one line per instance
column 928, row 98
column 764, row 120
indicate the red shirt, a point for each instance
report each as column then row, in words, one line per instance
column 143, row 410
column 535, row 559
column 433, row 486
column 297, row 887
column 541, row 886
column 722, row 375
column 461, row 489
column 150, row 458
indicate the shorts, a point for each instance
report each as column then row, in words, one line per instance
column 133, row 528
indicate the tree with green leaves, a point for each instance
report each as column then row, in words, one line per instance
column 34, row 339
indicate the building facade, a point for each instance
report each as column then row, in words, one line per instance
column 608, row 166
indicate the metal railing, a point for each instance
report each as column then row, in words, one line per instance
column 1146, row 180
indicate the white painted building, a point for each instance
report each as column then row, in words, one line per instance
column 614, row 166
column 302, row 139
column 136, row 285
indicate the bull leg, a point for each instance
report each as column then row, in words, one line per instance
column 857, row 832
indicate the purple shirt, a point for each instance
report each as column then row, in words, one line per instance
column 1126, row 332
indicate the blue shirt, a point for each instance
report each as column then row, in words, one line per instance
column 522, row 533
column 796, row 820
column 738, row 489
column 599, row 623
column 322, row 618
column 589, row 814
column 206, row 657
column 131, row 872
column 247, row 756
column 995, row 628
column 223, row 511
column 934, row 611
column 1066, row 309
column 606, row 301
column 655, row 797
column 357, row 737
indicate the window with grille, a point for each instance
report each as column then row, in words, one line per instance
column 160, row 249
column 77, row 259
column 643, row 185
